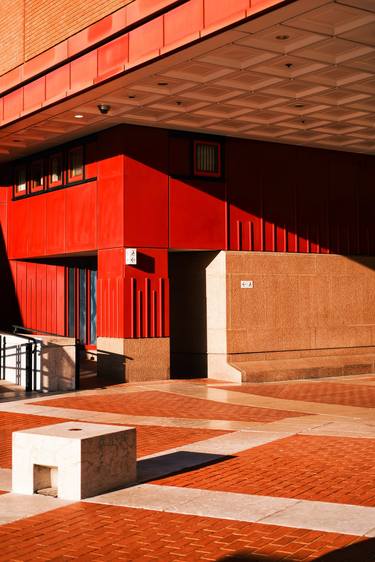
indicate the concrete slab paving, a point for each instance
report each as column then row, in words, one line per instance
column 323, row 516
column 299, row 514
column 5, row 479
column 16, row 506
column 220, row 505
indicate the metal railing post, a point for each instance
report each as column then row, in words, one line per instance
column 29, row 367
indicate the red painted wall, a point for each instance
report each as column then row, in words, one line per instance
column 271, row 197
column 40, row 294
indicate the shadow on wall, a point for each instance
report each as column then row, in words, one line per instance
column 10, row 310
column 188, row 313
column 275, row 197
column 363, row 551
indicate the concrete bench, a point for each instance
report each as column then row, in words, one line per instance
column 79, row 460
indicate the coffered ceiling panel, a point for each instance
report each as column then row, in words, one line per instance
column 303, row 74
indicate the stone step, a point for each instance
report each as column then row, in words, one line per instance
column 306, row 368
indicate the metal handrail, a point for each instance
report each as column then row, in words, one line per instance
column 31, row 350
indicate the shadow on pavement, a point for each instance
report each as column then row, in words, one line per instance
column 363, row 551
column 161, row 466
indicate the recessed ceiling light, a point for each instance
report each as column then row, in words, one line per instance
column 162, row 83
column 282, row 37
column 78, row 116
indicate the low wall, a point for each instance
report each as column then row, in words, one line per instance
column 54, row 366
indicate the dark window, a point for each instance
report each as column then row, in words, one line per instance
column 36, row 176
column 75, row 164
column 55, row 170
column 20, row 184
column 207, row 159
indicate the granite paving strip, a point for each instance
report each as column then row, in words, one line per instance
column 17, row 506
column 299, row 514
column 259, row 401
column 5, row 479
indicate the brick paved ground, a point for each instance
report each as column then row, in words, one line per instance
column 326, row 392
column 108, row 533
column 150, row 439
column 332, row 469
column 165, row 404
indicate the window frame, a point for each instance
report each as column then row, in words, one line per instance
column 80, row 177
column 16, row 191
column 201, row 173
column 41, row 186
column 58, row 183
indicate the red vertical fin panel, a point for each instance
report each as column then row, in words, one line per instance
column 60, row 300
column 244, row 188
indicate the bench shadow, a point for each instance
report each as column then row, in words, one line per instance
column 162, row 466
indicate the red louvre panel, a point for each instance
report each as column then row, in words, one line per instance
column 244, row 168
column 147, row 295
column 110, row 296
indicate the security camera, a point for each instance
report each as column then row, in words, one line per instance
column 103, row 108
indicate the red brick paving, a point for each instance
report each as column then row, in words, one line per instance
column 16, row 422
column 150, row 439
column 323, row 392
column 85, row 531
column 331, row 469
column 168, row 405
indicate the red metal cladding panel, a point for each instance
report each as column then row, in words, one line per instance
column 81, row 212
column 183, row 22
column 278, row 181
column 21, row 289
column 197, row 215
column 110, row 294
column 113, row 56
column 60, row 300
column 3, row 225
column 55, row 221
column 244, row 177
column 222, row 11
column 91, row 159
column 40, row 297
column 36, row 213
column 58, row 83
column 83, row 71
column 18, row 229
column 34, row 94
column 31, row 304
column 343, row 206
column 147, row 295
column 366, row 207
column 312, row 187
column 110, row 192
column 146, row 41
column 13, row 104
column 146, row 188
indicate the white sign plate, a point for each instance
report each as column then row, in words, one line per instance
column 247, row 284
column 131, row 256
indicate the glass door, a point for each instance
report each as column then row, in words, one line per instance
column 81, row 305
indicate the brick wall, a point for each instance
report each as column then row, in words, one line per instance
column 29, row 27
column 11, row 34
